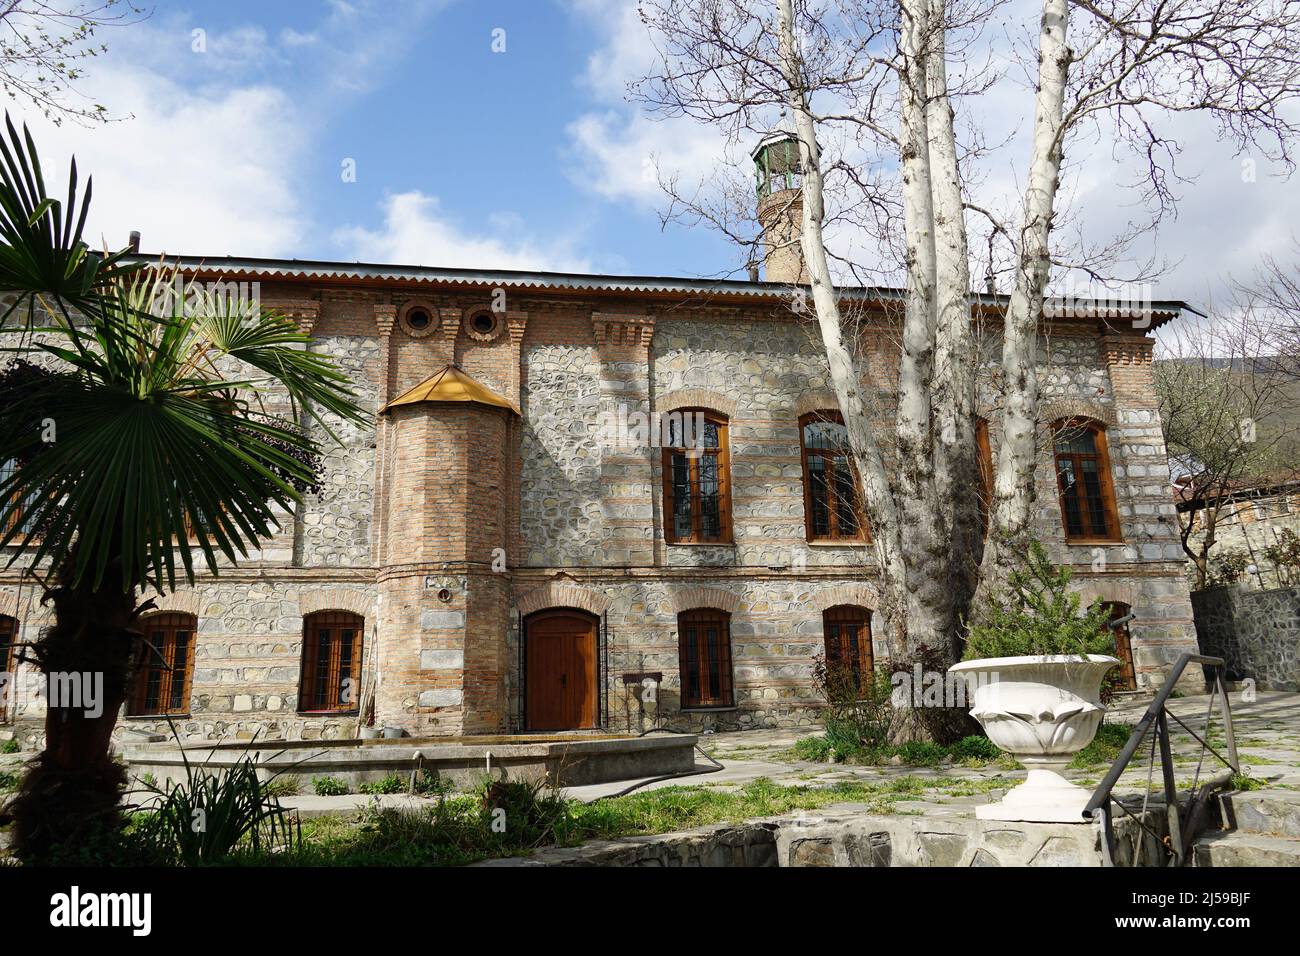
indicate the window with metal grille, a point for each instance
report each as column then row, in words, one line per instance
column 8, row 644
column 331, row 662
column 704, row 645
column 1084, row 483
column 162, row 683
column 847, row 632
column 832, row 507
column 697, row 480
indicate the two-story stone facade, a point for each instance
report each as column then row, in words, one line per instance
column 506, row 548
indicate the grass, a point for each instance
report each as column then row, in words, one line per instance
column 461, row 828
column 1105, row 747
column 972, row 752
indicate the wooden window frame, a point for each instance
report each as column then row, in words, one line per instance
column 692, row 678
column 723, row 454
column 984, row 462
column 838, row 617
column 17, row 518
column 168, row 625
column 311, row 675
column 9, row 628
column 1105, row 481
column 863, row 534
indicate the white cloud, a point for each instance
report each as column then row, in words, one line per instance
column 209, row 171
column 415, row 232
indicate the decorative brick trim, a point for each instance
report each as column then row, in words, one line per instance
column 335, row 599
column 30, row 610
column 822, row 401
column 406, row 309
column 857, row 595
column 1049, row 412
column 450, row 322
column 557, row 594
column 617, row 329
column 1118, row 591
column 1126, row 349
column 385, row 316
column 304, row 312
column 498, row 323
column 516, row 322
column 692, row 598
column 696, row 398
column 178, row 602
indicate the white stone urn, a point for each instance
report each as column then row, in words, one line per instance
column 1042, row 710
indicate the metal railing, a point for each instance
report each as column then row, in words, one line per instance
column 1186, row 822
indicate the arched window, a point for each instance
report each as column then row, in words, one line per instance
column 331, row 662
column 832, row 507
column 1123, row 676
column 1084, row 483
column 162, row 683
column 704, row 649
column 847, row 631
column 17, row 517
column 697, row 478
column 984, row 459
column 8, row 645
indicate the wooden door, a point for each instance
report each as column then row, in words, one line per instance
column 561, row 663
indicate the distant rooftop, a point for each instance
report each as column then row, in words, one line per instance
column 379, row 275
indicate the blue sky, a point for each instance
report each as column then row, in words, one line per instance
column 238, row 117
column 234, row 139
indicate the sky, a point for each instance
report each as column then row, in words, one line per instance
column 485, row 133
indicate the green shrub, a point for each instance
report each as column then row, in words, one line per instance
column 921, row 753
column 10, row 746
column 816, row 748
column 1040, row 615
column 329, row 787
column 974, row 748
column 212, row 817
column 859, row 708
column 393, row 783
column 283, row 787
column 429, row 784
column 8, row 781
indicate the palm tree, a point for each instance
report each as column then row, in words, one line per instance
column 147, row 423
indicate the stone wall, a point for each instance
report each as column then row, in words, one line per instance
column 1257, row 633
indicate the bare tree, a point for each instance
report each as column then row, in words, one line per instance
column 43, row 46
column 873, row 89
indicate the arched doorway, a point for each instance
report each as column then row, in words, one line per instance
column 560, row 664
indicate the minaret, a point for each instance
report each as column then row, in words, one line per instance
column 780, row 205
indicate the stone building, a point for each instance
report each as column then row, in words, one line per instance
column 509, row 547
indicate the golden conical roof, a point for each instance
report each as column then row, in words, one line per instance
column 451, row 384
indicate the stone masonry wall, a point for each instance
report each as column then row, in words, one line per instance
column 1257, row 633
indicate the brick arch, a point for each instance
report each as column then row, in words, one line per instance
column 1049, row 412
column 858, row 595
column 335, row 599
column 177, row 602
column 696, row 398
column 819, row 401
column 692, row 598
column 1092, row 588
column 26, row 611
column 556, row 594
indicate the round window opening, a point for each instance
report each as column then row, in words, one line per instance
column 419, row 319
column 484, row 324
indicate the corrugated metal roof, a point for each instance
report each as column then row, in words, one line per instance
column 378, row 273
column 451, row 384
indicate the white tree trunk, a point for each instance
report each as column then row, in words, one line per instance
column 1013, row 492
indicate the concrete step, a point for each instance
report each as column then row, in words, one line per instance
column 1246, row 849
column 1270, row 812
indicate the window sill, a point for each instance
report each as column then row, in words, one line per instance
column 185, row 716
column 328, row 713
column 701, row 544
column 1086, row 542
column 838, row 542
column 707, row 710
